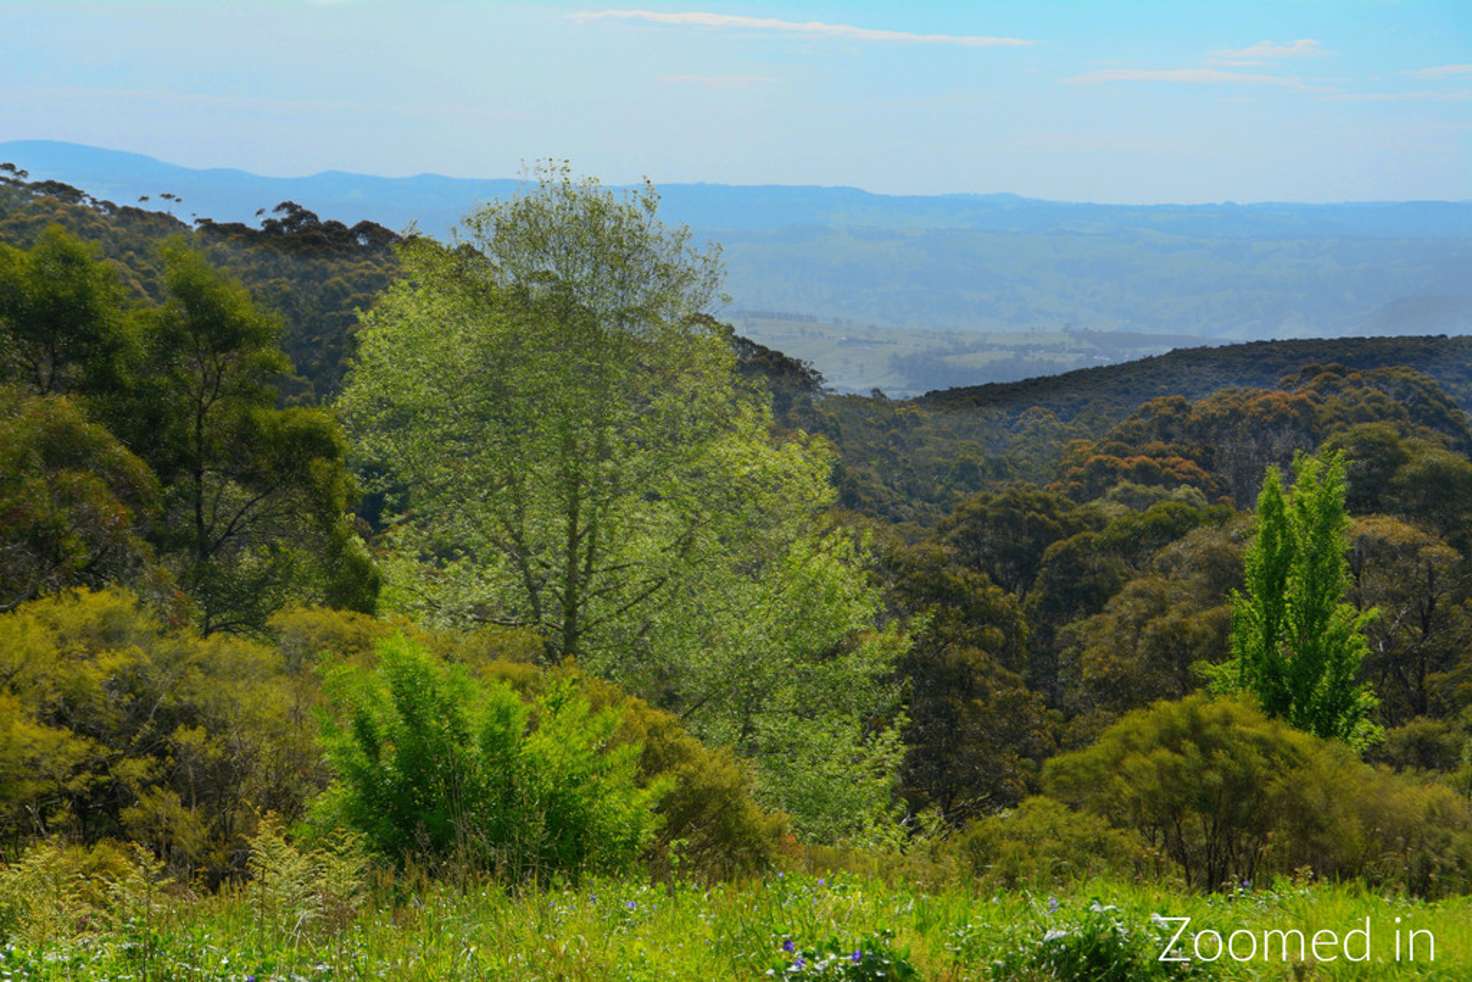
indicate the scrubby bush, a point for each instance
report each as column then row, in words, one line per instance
column 1229, row 796
column 710, row 825
column 1043, row 842
column 435, row 765
column 113, row 725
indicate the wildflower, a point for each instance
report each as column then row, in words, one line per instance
column 799, row 963
column 1054, row 935
column 822, row 882
column 1052, row 905
column 857, row 957
column 632, row 905
column 788, row 946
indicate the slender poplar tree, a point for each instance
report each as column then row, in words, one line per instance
column 1296, row 643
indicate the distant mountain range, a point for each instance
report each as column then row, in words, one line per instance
column 994, row 262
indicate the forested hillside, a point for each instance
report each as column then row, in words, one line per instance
column 345, row 575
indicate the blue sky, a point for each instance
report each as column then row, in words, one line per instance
column 1141, row 101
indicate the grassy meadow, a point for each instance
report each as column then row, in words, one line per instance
column 632, row 929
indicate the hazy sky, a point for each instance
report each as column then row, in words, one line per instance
column 1131, row 100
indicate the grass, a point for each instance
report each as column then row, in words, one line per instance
column 625, row 929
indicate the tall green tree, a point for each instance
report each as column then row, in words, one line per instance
column 1296, row 642
column 583, row 459
column 256, row 497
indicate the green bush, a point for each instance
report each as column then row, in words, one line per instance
column 434, row 765
column 1043, row 842
column 1229, row 795
column 115, row 726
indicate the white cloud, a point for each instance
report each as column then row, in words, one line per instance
column 717, row 81
column 1443, row 71
column 812, row 28
column 1186, row 76
column 1256, row 54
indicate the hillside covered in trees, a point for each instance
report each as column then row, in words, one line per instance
column 337, row 567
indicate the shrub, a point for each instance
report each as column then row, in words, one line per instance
column 710, row 825
column 435, row 765
column 1203, row 780
column 1229, row 795
column 112, row 725
column 1043, row 842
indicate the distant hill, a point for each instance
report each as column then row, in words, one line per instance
column 1115, row 390
column 993, row 262
column 912, row 460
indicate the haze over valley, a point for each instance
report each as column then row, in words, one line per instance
column 912, row 293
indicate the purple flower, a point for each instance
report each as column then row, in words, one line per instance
column 1052, row 905
column 857, row 957
column 822, row 882
column 788, row 946
column 632, row 905
column 799, row 963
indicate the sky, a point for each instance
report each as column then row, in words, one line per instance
column 1123, row 101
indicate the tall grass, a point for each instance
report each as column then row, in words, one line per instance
column 410, row 927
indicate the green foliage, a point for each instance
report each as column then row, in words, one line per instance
column 114, row 726
column 1004, row 534
column 253, row 497
column 314, row 274
column 1044, row 843
column 256, row 496
column 1098, row 944
column 54, row 892
column 868, row 959
column 62, row 325
column 1229, row 795
column 710, row 825
column 75, row 501
column 294, row 890
column 1295, row 643
column 434, row 766
column 1154, row 636
column 626, row 929
column 581, row 459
